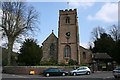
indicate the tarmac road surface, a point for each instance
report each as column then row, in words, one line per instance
column 93, row 76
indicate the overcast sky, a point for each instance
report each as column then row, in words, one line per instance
column 90, row 15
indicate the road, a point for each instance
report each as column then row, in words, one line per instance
column 93, row 76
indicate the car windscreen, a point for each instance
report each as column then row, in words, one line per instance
column 52, row 69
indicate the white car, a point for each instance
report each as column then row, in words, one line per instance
column 80, row 70
column 116, row 72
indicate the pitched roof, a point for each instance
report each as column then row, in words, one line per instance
column 84, row 48
column 101, row 56
column 51, row 35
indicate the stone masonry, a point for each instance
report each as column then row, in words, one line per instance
column 50, row 41
column 73, row 41
column 66, row 46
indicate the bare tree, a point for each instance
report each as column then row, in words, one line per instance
column 115, row 32
column 17, row 19
column 97, row 31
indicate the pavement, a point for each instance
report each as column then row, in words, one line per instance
column 94, row 76
column 0, row 72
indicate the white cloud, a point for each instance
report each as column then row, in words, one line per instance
column 3, row 41
column 16, row 46
column 22, row 37
column 80, row 4
column 108, row 13
column 70, row 0
column 87, row 45
column 0, row 16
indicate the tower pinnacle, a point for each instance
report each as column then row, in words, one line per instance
column 52, row 31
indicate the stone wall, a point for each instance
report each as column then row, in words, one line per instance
column 26, row 70
column 51, row 40
column 88, row 56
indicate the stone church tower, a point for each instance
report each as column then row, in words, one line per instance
column 68, row 36
column 66, row 46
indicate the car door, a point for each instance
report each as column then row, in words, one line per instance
column 59, row 72
column 55, row 72
column 81, row 71
column 51, row 71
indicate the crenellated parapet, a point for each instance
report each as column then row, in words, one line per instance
column 66, row 11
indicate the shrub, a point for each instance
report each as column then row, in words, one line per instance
column 72, row 62
column 47, row 63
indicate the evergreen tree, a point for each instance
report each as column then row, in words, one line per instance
column 104, row 44
column 30, row 53
column 116, row 52
column 107, row 43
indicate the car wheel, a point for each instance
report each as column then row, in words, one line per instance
column 88, row 73
column 63, row 74
column 74, row 74
column 47, row 74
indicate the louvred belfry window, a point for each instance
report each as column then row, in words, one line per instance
column 67, row 20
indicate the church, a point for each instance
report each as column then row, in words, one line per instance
column 66, row 45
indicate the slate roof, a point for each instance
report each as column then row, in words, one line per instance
column 101, row 56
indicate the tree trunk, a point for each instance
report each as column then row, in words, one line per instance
column 10, row 47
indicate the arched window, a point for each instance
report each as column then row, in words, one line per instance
column 67, row 20
column 84, row 55
column 52, row 48
column 67, row 51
